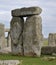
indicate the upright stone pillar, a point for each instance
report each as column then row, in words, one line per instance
column 26, row 37
column 2, row 36
column 32, row 36
column 8, row 40
column 52, row 39
column 16, row 35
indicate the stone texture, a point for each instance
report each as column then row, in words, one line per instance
column 2, row 36
column 26, row 37
column 5, row 50
column 52, row 39
column 16, row 35
column 10, row 62
column 27, row 11
column 48, row 50
column 32, row 36
column 8, row 40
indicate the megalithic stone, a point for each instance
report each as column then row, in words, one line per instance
column 26, row 11
column 2, row 36
column 16, row 35
column 8, row 40
column 52, row 39
column 32, row 36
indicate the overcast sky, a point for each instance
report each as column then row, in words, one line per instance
column 48, row 12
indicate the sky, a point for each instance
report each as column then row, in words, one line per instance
column 48, row 12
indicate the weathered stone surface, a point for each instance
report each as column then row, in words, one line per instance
column 8, row 40
column 48, row 50
column 2, row 36
column 16, row 35
column 26, row 11
column 9, row 62
column 52, row 39
column 32, row 36
column 5, row 50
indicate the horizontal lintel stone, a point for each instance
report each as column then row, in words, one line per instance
column 26, row 11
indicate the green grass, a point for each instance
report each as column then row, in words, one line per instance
column 28, row 60
column 45, row 42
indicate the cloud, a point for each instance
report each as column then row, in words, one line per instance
column 48, row 12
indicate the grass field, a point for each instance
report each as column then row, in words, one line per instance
column 45, row 42
column 28, row 60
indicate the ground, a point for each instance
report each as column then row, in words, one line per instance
column 28, row 60
column 45, row 42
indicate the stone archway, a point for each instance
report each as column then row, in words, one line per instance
column 26, row 38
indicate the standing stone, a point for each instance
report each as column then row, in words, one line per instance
column 8, row 40
column 16, row 35
column 52, row 39
column 32, row 36
column 2, row 36
column 26, row 37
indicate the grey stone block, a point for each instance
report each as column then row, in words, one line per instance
column 52, row 39
column 32, row 36
column 27, row 11
column 2, row 36
column 16, row 35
